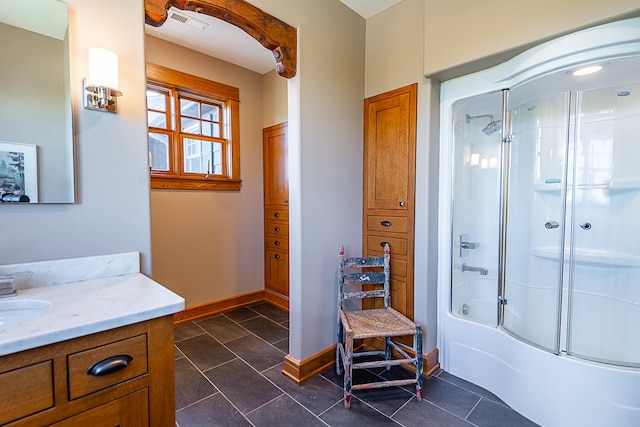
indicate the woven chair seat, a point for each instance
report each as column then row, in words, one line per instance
column 382, row 322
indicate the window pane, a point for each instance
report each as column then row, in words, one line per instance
column 211, row 129
column 157, row 120
column 156, row 101
column 211, row 112
column 190, row 126
column 202, row 156
column 189, row 108
column 159, row 151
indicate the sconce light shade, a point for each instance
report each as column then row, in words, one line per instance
column 101, row 88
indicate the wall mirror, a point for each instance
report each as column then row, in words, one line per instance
column 36, row 131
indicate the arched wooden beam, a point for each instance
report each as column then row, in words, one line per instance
column 270, row 32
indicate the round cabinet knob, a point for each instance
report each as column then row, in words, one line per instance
column 277, row 243
column 402, row 204
column 277, row 229
column 551, row 224
column 585, row 226
column 277, row 256
column 277, row 214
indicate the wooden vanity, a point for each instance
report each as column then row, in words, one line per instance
column 51, row 385
column 101, row 356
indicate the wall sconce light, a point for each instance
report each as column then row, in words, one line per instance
column 101, row 88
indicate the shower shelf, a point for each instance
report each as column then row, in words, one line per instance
column 612, row 187
column 590, row 257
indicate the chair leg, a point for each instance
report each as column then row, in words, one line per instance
column 339, row 345
column 348, row 370
column 418, row 346
column 387, row 350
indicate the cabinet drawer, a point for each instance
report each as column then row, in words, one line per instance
column 276, row 243
column 26, row 391
column 81, row 382
column 398, row 246
column 278, row 214
column 398, row 263
column 276, row 228
column 385, row 223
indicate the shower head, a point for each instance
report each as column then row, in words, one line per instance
column 493, row 126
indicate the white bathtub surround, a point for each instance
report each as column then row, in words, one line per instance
column 555, row 336
column 86, row 295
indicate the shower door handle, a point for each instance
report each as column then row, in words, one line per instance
column 551, row 224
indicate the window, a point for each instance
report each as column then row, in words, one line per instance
column 193, row 131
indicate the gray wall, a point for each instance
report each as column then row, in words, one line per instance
column 112, row 213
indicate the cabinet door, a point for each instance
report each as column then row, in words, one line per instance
column 276, row 176
column 389, row 156
column 128, row 411
column 277, row 271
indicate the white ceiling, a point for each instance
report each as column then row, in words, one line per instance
column 368, row 8
column 229, row 43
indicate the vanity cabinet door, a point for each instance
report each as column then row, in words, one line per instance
column 128, row 411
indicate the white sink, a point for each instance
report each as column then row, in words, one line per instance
column 18, row 310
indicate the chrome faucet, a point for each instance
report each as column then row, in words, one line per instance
column 7, row 287
column 483, row 271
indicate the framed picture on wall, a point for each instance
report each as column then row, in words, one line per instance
column 19, row 170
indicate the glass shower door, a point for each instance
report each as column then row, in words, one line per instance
column 605, row 277
column 476, row 177
column 535, row 219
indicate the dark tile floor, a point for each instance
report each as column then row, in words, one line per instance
column 229, row 373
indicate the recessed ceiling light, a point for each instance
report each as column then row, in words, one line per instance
column 587, row 70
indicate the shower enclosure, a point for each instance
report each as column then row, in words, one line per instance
column 542, row 278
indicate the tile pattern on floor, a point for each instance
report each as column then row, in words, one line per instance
column 228, row 372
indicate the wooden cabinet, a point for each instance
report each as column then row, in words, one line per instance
column 121, row 377
column 276, row 215
column 389, row 187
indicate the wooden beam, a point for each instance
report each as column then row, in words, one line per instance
column 275, row 35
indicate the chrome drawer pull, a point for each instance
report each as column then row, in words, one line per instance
column 110, row 365
column 386, row 223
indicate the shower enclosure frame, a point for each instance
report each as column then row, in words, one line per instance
column 547, row 388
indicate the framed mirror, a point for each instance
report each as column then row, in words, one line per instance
column 36, row 129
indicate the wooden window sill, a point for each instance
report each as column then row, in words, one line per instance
column 195, row 184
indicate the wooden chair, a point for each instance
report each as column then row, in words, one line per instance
column 385, row 323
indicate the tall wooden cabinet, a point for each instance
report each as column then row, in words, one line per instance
column 276, row 214
column 389, row 187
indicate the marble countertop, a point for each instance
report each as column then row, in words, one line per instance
column 85, row 307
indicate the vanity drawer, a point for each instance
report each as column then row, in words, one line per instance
column 278, row 214
column 112, row 357
column 385, row 223
column 26, row 391
column 276, row 229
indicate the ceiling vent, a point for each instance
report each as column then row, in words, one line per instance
column 195, row 23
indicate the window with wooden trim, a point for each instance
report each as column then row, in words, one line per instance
column 193, row 131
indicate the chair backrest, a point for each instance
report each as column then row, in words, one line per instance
column 370, row 271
